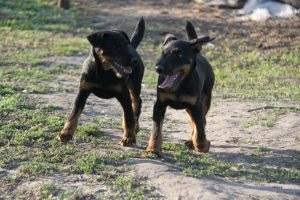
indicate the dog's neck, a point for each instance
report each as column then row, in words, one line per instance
column 189, row 78
column 193, row 67
column 96, row 59
column 100, row 72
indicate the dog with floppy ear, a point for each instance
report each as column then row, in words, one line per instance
column 185, row 81
column 113, row 69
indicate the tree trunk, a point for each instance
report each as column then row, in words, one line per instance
column 65, row 4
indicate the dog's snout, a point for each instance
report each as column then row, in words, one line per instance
column 134, row 61
column 159, row 68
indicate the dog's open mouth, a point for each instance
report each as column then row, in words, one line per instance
column 170, row 81
column 122, row 69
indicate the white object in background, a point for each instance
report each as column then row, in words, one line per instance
column 261, row 10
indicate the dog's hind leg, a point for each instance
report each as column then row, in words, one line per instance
column 128, row 119
column 155, row 140
column 70, row 126
column 205, row 102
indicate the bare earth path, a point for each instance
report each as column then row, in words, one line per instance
column 231, row 140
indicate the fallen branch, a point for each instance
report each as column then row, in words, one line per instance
column 273, row 107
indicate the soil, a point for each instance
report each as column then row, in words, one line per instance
column 225, row 122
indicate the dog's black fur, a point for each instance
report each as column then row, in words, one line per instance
column 185, row 81
column 113, row 69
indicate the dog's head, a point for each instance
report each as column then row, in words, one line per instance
column 116, row 51
column 178, row 58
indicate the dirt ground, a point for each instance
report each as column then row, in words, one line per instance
column 231, row 139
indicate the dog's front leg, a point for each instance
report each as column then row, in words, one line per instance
column 67, row 132
column 128, row 119
column 199, row 140
column 135, row 92
column 155, row 140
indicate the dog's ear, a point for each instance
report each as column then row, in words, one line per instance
column 96, row 39
column 138, row 33
column 190, row 31
column 169, row 38
column 197, row 43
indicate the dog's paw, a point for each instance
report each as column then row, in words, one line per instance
column 151, row 152
column 137, row 128
column 203, row 147
column 65, row 136
column 128, row 142
column 189, row 144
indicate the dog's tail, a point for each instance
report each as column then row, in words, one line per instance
column 138, row 33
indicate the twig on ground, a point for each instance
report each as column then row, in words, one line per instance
column 273, row 107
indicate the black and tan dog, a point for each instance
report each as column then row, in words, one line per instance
column 113, row 69
column 185, row 81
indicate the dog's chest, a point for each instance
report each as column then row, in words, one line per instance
column 93, row 86
column 177, row 101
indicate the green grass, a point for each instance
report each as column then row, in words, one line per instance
column 37, row 15
column 272, row 74
column 193, row 164
column 51, row 191
column 37, row 168
column 32, row 31
column 125, row 187
column 265, row 118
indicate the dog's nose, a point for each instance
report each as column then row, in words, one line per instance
column 159, row 68
column 134, row 61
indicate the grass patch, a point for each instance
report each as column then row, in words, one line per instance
column 265, row 118
column 37, row 15
column 37, row 168
column 51, row 191
column 125, row 187
column 261, row 150
column 195, row 165
column 92, row 163
column 258, row 74
column 89, row 164
column 33, row 30
column 47, row 191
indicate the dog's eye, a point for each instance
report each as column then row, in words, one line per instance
column 178, row 54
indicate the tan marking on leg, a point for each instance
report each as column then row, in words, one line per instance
column 194, row 141
column 135, row 106
column 155, row 141
column 70, row 126
column 128, row 138
column 189, row 143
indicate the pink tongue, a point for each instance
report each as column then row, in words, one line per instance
column 168, row 82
